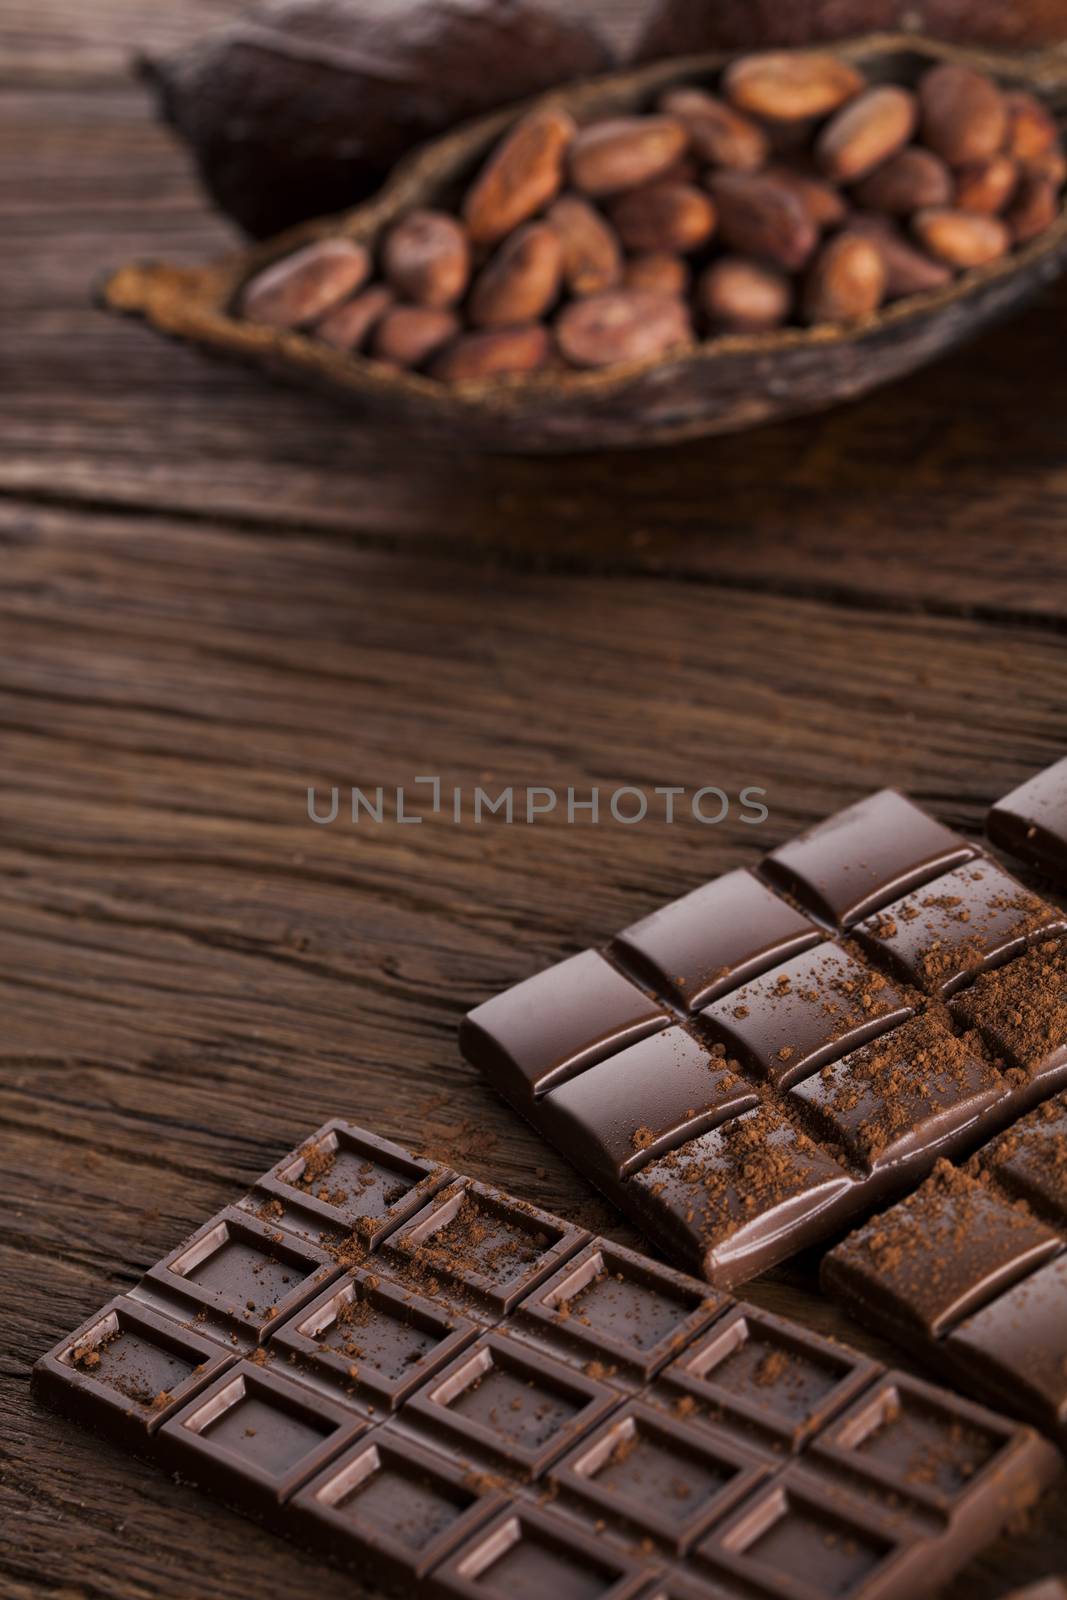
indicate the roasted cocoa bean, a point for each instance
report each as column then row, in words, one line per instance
column 658, row 273
column 986, row 186
column 785, row 87
column 1035, row 208
column 866, row 132
column 908, row 269
column 522, row 175
column 739, row 295
column 303, row 287
column 907, row 182
column 759, row 216
column 347, row 327
column 962, row 239
column 672, row 217
column 521, row 282
column 623, row 325
column 407, row 336
column 592, row 254
column 963, row 114
column 426, row 258
column 718, row 134
column 624, row 152
column 825, row 205
column 503, row 353
column 1032, row 130
column 846, row 280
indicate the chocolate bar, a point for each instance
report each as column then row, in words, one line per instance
column 1031, row 822
column 748, row 1069
column 970, row 1273
column 470, row 1397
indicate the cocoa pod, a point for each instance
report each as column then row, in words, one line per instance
column 303, row 287
column 744, row 296
column 963, row 114
column 658, row 273
column 426, row 258
column 866, row 132
column 407, row 336
column 825, row 205
column 671, row 217
column 720, row 135
column 348, row 327
column 846, row 280
column 302, row 108
column 907, row 182
column 623, row 325
column 962, row 239
column 986, row 186
column 787, row 87
column 908, row 270
column 1035, row 208
column 522, row 280
column 1032, row 130
column 759, row 216
column 592, row 255
column 523, row 174
column 624, row 152
column 504, row 352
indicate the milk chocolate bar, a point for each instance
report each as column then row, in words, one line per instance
column 1031, row 822
column 971, row 1271
column 754, row 1065
column 470, row 1397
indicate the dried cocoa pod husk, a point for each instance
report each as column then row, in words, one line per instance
column 846, row 280
column 521, row 282
column 866, row 132
column 301, row 288
column 963, row 114
column 625, row 152
column 675, row 218
column 500, row 353
column 407, row 336
column 303, row 107
column 759, row 216
column 657, row 272
column 592, row 254
column 718, row 133
column 426, row 258
column 986, row 185
column 961, row 239
column 739, row 295
column 907, row 182
column 623, row 326
column 788, row 88
column 524, row 172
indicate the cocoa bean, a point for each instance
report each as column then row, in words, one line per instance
column 847, row 280
column 784, row 87
column 657, row 272
column 720, row 135
column 961, row 239
column 671, row 217
column 592, row 255
column 866, row 132
column 624, row 152
column 986, row 186
column 1032, row 130
column 407, row 336
column 963, row 114
column 622, row 325
column 347, row 327
column 744, row 296
column 908, row 270
column 522, row 280
column 1052, row 165
column 303, row 287
column 907, row 182
column 502, row 353
column 426, row 258
column 759, row 216
column 1035, row 208
column 824, row 204
column 522, row 175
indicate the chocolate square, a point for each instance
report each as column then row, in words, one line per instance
column 813, row 1009
column 343, row 1179
column 1030, row 1161
column 1020, row 1011
column 391, row 1510
column 1031, row 821
column 528, row 1554
column 645, row 1471
column 709, row 941
column 549, row 1027
column 615, row 1117
column 255, row 1437
column 907, row 1098
column 509, row 1404
column 961, row 924
column 1014, row 1347
column 126, row 1370
column 617, row 1311
column 371, row 1340
column 238, row 1276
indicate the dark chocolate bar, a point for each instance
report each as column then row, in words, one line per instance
column 480, row 1400
column 1031, row 822
column 756, row 1064
column 970, row 1272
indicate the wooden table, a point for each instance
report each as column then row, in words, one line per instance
column 214, row 594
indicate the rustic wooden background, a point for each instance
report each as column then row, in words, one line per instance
column 213, row 594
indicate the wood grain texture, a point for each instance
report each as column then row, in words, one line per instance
column 213, row 595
